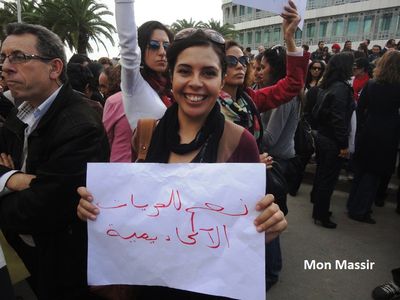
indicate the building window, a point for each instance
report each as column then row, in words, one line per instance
column 323, row 26
column 241, row 38
column 277, row 34
column 234, row 11
column 384, row 22
column 227, row 10
column 337, row 29
column 267, row 37
column 298, row 34
column 258, row 37
column 250, row 37
column 367, row 24
column 241, row 10
column 398, row 25
column 310, row 4
column 310, row 30
column 249, row 10
column 352, row 28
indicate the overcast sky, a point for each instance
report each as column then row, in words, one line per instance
column 167, row 12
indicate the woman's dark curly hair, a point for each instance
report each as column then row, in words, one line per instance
column 276, row 58
column 339, row 68
column 113, row 75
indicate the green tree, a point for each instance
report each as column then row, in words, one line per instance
column 8, row 14
column 77, row 22
column 227, row 30
column 183, row 23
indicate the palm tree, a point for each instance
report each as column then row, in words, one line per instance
column 183, row 23
column 76, row 22
column 8, row 14
column 227, row 30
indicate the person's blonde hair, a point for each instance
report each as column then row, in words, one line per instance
column 388, row 68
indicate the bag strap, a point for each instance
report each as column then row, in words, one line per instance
column 142, row 137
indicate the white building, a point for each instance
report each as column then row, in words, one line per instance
column 332, row 21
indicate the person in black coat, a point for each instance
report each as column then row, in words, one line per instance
column 333, row 124
column 45, row 146
column 377, row 137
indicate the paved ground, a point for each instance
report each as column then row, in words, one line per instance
column 351, row 241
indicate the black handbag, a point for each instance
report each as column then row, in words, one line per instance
column 277, row 185
column 304, row 144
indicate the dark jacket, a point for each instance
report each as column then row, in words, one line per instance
column 68, row 136
column 5, row 106
column 335, row 116
column 378, row 127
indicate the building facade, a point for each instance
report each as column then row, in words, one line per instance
column 332, row 21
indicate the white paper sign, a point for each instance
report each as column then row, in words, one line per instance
column 276, row 6
column 186, row 226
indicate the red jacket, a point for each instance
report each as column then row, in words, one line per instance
column 285, row 89
column 358, row 85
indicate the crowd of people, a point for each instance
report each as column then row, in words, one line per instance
column 214, row 102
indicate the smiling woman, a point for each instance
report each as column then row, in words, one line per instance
column 193, row 130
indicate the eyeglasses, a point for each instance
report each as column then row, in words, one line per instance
column 211, row 34
column 155, row 45
column 18, row 57
column 316, row 68
column 232, row 61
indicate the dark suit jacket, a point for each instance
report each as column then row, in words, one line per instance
column 378, row 128
column 68, row 136
column 335, row 116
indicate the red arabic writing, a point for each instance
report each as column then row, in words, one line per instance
column 215, row 234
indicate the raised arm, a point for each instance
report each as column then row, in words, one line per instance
column 296, row 68
column 140, row 100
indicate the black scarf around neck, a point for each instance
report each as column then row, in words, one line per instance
column 166, row 137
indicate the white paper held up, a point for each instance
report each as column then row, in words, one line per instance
column 186, row 226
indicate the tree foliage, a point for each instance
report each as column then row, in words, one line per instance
column 178, row 25
column 227, row 30
column 76, row 22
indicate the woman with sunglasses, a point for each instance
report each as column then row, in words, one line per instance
column 314, row 74
column 242, row 105
column 332, row 113
column 194, row 130
column 145, row 84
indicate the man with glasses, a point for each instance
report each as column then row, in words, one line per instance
column 45, row 145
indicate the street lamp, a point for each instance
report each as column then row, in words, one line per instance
column 19, row 11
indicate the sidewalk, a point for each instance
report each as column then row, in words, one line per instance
column 352, row 241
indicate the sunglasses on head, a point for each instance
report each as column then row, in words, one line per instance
column 155, row 45
column 275, row 51
column 211, row 34
column 232, row 61
column 279, row 49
